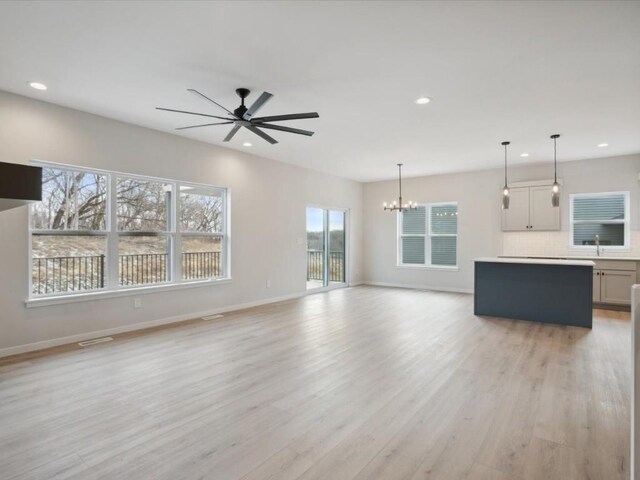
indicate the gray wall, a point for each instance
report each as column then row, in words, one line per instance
column 267, row 218
column 479, row 214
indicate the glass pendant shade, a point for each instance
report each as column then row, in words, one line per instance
column 505, row 189
column 555, row 188
column 505, row 198
column 555, row 194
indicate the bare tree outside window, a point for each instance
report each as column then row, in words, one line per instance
column 71, row 231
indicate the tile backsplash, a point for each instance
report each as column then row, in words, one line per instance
column 557, row 244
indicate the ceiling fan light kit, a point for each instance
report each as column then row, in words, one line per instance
column 244, row 117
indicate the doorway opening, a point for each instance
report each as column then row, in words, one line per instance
column 326, row 248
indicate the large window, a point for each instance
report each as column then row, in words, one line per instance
column 97, row 230
column 428, row 236
column 602, row 216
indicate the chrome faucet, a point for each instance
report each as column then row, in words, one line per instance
column 598, row 245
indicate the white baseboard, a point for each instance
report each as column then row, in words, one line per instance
column 56, row 342
column 418, row 287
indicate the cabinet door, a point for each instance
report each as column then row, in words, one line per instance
column 516, row 217
column 543, row 216
column 596, row 285
column 616, row 286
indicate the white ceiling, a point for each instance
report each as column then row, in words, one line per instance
column 496, row 71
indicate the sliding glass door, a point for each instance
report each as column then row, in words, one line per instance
column 326, row 248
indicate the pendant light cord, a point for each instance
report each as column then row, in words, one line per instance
column 505, row 144
column 505, row 165
column 400, row 183
column 555, row 162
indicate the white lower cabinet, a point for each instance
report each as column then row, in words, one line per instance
column 596, row 285
column 613, row 286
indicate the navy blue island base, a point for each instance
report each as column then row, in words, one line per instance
column 548, row 291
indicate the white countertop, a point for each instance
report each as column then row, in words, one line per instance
column 537, row 261
column 573, row 257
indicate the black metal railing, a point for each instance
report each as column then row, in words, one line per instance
column 315, row 266
column 200, row 265
column 67, row 274
column 142, row 268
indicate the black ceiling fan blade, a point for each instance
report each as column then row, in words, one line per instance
column 263, row 135
column 291, row 116
column 285, row 129
column 231, row 133
column 191, row 113
column 257, row 105
column 202, row 95
column 204, row 125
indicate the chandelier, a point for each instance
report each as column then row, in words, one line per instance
column 397, row 205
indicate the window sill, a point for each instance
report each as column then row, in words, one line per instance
column 429, row 267
column 592, row 249
column 89, row 296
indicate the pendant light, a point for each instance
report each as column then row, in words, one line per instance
column 555, row 188
column 505, row 189
column 398, row 205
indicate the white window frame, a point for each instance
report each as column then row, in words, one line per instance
column 626, row 221
column 431, row 234
column 400, row 236
column 111, row 234
column 222, row 235
column 427, row 240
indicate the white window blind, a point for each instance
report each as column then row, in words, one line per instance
column 435, row 246
column 413, row 236
column 444, row 234
column 604, row 215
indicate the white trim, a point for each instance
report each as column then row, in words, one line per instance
column 69, row 166
column 627, row 223
column 104, row 294
column 427, row 239
column 173, row 236
column 326, row 211
column 451, row 268
column 328, row 288
column 418, row 287
column 30, row 347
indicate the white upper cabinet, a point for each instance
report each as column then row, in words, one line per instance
column 516, row 218
column 543, row 216
column 530, row 209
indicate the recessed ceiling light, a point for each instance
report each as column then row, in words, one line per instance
column 603, row 145
column 423, row 100
column 37, row 85
column 246, row 144
column 524, row 154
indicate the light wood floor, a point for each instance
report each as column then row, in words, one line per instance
column 363, row 383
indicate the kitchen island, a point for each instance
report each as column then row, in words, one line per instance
column 539, row 290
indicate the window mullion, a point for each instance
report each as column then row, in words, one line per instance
column 175, row 236
column 112, row 235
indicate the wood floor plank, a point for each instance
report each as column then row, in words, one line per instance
column 359, row 383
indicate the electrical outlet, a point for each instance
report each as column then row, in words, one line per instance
column 137, row 303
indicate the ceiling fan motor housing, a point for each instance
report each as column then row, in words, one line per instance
column 242, row 93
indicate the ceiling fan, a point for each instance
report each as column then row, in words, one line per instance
column 244, row 117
